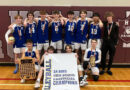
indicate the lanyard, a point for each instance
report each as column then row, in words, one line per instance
column 56, row 25
column 31, row 28
column 43, row 25
column 83, row 25
column 19, row 31
column 94, row 52
column 109, row 30
column 71, row 25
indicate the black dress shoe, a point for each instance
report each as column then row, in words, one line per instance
column 102, row 72
column 109, row 72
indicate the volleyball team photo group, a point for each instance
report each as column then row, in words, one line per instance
column 67, row 49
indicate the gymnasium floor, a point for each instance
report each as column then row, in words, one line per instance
column 119, row 81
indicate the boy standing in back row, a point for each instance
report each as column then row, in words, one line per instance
column 110, row 39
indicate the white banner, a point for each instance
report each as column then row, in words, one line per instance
column 60, row 72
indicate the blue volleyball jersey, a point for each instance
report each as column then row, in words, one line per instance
column 42, row 34
column 95, row 31
column 70, row 29
column 89, row 52
column 19, row 35
column 82, row 31
column 56, row 34
column 31, row 54
column 31, row 32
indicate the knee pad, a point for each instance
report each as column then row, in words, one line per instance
column 95, row 77
column 80, row 68
column 85, row 65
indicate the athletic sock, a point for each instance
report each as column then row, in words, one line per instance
column 38, row 80
column 16, row 68
column 85, row 73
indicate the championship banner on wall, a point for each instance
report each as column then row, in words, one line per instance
column 60, row 72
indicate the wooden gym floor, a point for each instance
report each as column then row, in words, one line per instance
column 119, row 81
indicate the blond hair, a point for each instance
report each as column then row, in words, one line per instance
column 18, row 16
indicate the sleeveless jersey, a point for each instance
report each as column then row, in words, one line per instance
column 56, row 34
column 95, row 32
column 42, row 31
column 82, row 31
column 31, row 54
column 31, row 32
column 19, row 35
column 70, row 30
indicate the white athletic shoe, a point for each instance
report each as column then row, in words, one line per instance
column 22, row 81
column 83, row 83
column 37, row 84
column 85, row 77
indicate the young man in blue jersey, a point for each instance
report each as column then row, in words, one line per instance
column 82, row 31
column 29, row 51
column 56, row 31
column 31, row 28
column 95, row 30
column 42, row 31
column 17, row 30
column 50, row 50
column 70, row 29
column 90, row 53
column 83, row 81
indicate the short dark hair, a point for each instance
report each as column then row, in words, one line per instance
column 30, row 13
column 96, row 15
column 29, row 41
column 84, row 11
column 94, row 39
column 70, row 13
column 68, row 46
column 56, row 12
column 51, row 48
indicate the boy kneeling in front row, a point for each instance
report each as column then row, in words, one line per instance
column 29, row 51
column 92, row 58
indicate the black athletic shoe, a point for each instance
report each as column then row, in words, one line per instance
column 81, row 78
column 109, row 72
column 102, row 72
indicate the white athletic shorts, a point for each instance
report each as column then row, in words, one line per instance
column 82, row 45
column 57, row 45
column 98, row 43
column 42, row 45
column 18, row 50
column 37, row 67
